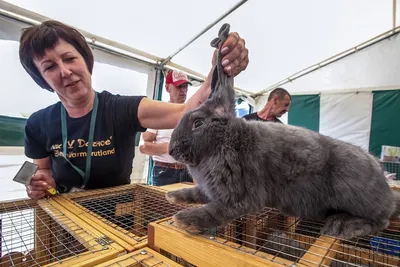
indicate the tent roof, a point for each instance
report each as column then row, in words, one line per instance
column 283, row 37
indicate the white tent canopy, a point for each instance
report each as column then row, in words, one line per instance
column 283, row 37
column 286, row 40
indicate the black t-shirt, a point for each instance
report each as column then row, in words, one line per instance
column 254, row 117
column 113, row 144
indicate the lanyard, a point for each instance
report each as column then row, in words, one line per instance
column 85, row 175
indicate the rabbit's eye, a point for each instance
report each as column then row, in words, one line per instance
column 197, row 123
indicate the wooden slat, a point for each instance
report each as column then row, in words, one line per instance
column 395, row 187
column 123, row 209
column 154, row 189
column 351, row 254
column 92, row 261
column 87, row 259
column 98, row 193
column 322, row 252
column 43, row 237
column 72, row 225
column 142, row 257
column 51, row 205
column 10, row 206
column 16, row 259
column 252, row 251
column 290, row 225
column 250, row 223
column 231, row 231
column 138, row 209
column 176, row 186
column 394, row 225
column 201, row 251
column 46, row 224
column 127, row 241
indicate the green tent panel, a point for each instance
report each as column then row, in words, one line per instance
column 12, row 131
column 385, row 123
column 304, row 111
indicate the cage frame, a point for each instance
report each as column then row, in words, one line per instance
column 49, row 216
column 198, row 250
column 129, row 241
column 129, row 244
column 322, row 250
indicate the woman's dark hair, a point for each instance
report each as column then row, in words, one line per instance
column 36, row 39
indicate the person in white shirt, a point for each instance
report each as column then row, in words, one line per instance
column 166, row 170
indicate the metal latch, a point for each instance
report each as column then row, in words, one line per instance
column 104, row 240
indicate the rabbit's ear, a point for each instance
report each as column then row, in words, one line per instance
column 222, row 93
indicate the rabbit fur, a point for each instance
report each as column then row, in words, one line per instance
column 242, row 166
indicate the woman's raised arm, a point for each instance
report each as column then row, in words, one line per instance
column 160, row 115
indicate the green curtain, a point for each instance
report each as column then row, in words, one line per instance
column 304, row 111
column 12, row 131
column 385, row 123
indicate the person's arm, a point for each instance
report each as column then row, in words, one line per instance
column 162, row 115
column 159, row 115
column 151, row 148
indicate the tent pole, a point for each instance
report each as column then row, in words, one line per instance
column 19, row 14
column 158, row 89
column 394, row 14
column 165, row 61
column 330, row 60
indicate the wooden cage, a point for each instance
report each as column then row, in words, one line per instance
column 122, row 212
column 269, row 238
column 131, row 226
column 44, row 234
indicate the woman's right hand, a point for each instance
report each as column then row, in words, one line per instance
column 41, row 181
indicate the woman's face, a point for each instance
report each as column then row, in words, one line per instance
column 65, row 70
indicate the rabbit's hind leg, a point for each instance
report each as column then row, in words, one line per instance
column 347, row 226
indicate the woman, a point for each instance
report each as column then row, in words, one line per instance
column 87, row 139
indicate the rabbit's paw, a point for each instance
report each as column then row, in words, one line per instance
column 171, row 198
column 187, row 222
column 175, row 197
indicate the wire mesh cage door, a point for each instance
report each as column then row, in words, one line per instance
column 392, row 168
column 269, row 238
column 41, row 234
column 392, row 173
column 124, row 212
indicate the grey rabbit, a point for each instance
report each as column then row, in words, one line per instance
column 242, row 166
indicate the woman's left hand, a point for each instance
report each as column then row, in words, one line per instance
column 235, row 54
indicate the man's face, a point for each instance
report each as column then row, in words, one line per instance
column 177, row 93
column 280, row 107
